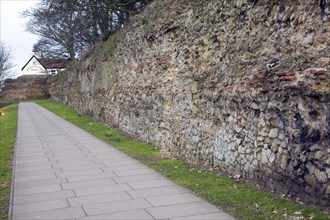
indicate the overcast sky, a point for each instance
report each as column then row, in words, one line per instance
column 13, row 33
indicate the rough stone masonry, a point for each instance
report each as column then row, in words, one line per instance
column 26, row 87
column 241, row 85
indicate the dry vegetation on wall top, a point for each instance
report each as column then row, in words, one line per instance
column 240, row 85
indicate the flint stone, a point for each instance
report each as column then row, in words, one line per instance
column 273, row 133
column 321, row 176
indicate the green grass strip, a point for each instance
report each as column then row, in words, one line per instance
column 8, row 122
column 237, row 199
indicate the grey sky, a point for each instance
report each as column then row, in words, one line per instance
column 13, row 33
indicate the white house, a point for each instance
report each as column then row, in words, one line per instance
column 43, row 66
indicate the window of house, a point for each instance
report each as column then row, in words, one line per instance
column 53, row 72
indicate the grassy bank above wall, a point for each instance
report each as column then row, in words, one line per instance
column 8, row 122
column 237, row 199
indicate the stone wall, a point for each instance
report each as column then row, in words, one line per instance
column 26, row 87
column 241, row 85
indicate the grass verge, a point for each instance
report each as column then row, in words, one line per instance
column 237, row 199
column 8, row 123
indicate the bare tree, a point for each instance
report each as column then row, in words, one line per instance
column 67, row 27
column 5, row 63
column 55, row 20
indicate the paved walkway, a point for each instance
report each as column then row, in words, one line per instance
column 62, row 172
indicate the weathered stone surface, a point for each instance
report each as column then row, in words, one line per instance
column 283, row 162
column 312, row 181
column 321, row 176
column 273, row 133
column 327, row 191
column 245, row 83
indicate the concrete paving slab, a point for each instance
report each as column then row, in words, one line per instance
column 110, row 163
column 157, row 191
column 60, row 147
column 34, row 177
column 35, row 164
column 100, row 198
column 30, row 157
column 20, row 161
column 43, row 197
column 56, row 214
column 65, row 154
column 29, row 143
column 112, row 159
column 36, row 167
column 91, row 183
column 102, row 189
column 181, row 210
column 85, row 177
column 122, row 168
column 29, row 147
column 74, row 162
column 37, row 172
column 79, row 172
column 41, row 206
column 46, row 182
column 134, row 172
column 37, row 190
column 173, row 199
column 128, row 215
column 118, row 206
column 29, row 154
column 62, row 172
column 150, row 184
column 138, row 178
column 31, row 150
column 79, row 168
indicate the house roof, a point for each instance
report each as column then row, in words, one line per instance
column 53, row 63
column 49, row 63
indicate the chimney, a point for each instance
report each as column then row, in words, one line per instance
column 35, row 51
